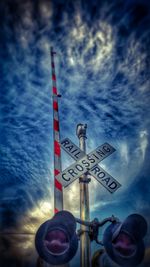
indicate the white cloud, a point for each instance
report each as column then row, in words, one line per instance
column 124, row 153
column 46, row 11
column 144, row 142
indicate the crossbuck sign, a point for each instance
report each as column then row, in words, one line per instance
column 87, row 163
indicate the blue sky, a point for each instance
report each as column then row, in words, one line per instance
column 102, row 68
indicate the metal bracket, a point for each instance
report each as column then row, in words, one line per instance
column 80, row 232
column 94, row 227
column 84, row 180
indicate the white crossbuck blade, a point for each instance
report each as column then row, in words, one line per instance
column 87, row 163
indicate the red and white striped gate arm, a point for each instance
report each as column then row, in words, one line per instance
column 58, row 191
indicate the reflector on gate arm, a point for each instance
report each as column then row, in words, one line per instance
column 124, row 241
column 56, row 240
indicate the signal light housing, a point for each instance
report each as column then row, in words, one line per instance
column 123, row 242
column 56, row 240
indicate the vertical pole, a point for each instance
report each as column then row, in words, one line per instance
column 58, row 192
column 85, row 250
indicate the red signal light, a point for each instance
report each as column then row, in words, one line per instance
column 57, row 242
column 124, row 244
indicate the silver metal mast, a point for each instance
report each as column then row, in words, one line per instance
column 85, row 251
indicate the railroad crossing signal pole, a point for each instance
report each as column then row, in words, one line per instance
column 56, row 239
column 85, row 250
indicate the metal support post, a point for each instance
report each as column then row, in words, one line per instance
column 85, row 251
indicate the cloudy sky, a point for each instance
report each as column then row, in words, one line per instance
column 102, row 68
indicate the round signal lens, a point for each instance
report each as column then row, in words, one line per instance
column 56, row 242
column 124, row 244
